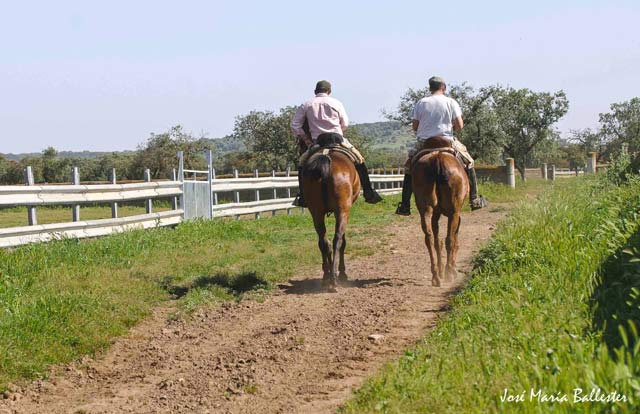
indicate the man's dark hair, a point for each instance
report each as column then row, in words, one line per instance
column 323, row 86
column 436, row 83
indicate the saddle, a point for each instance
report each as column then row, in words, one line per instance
column 326, row 143
column 436, row 144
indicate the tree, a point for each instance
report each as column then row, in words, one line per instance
column 122, row 162
column 575, row 156
column 268, row 137
column 622, row 125
column 526, row 119
column 589, row 141
column 159, row 153
column 481, row 134
column 11, row 172
column 54, row 169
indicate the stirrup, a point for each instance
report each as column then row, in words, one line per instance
column 478, row 203
column 403, row 210
column 299, row 201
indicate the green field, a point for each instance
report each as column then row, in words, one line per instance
column 553, row 306
column 17, row 216
column 68, row 298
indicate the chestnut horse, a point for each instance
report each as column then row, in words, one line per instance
column 331, row 185
column 440, row 185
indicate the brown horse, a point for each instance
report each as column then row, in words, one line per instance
column 440, row 185
column 331, row 184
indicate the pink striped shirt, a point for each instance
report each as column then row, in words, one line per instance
column 324, row 113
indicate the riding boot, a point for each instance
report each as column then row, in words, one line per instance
column 404, row 207
column 370, row 195
column 299, row 200
column 475, row 201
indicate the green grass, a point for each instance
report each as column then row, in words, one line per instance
column 547, row 309
column 17, row 216
column 69, row 298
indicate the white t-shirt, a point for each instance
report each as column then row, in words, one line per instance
column 435, row 114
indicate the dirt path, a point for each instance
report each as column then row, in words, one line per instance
column 298, row 351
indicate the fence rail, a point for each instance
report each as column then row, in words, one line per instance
column 197, row 198
column 74, row 196
column 15, row 236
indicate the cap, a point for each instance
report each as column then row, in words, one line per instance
column 436, row 79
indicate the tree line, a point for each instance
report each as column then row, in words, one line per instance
column 500, row 122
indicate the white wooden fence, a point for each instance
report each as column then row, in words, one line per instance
column 265, row 191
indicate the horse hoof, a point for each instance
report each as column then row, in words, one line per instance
column 342, row 277
column 452, row 275
column 331, row 288
column 435, row 282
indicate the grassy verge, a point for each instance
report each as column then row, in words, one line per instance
column 17, row 216
column 68, row 298
column 546, row 312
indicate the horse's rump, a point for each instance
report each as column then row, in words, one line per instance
column 440, row 174
column 319, row 167
column 335, row 173
column 434, row 168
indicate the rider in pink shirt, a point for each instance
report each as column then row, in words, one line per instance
column 326, row 116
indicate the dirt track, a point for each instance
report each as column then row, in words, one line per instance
column 300, row 350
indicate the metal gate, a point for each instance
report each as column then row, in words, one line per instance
column 197, row 194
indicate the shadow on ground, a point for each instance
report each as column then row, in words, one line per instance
column 314, row 286
column 234, row 284
column 616, row 297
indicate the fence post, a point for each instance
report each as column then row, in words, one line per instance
column 511, row 174
column 385, row 185
column 543, row 171
column 32, row 217
column 209, row 158
column 215, row 194
column 174, row 200
column 147, row 203
column 75, row 180
column 288, row 174
column 257, row 192
column 591, row 163
column 114, row 205
column 275, row 190
column 236, row 194
column 553, row 172
column 181, row 178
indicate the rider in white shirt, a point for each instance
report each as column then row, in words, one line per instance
column 438, row 115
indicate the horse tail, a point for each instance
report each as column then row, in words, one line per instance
column 436, row 171
column 319, row 167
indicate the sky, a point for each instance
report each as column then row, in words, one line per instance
column 103, row 76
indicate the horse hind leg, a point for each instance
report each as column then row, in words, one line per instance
column 426, row 222
column 338, row 242
column 342, row 276
column 452, row 246
column 323, row 245
column 437, row 241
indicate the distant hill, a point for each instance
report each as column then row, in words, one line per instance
column 65, row 154
column 382, row 135
column 389, row 135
